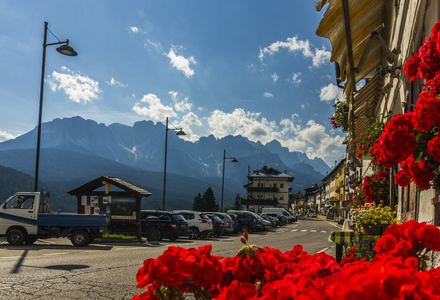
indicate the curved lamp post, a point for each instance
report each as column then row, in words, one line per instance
column 179, row 132
column 234, row 160
column 64, row 49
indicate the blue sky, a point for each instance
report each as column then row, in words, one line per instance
column 254, row 68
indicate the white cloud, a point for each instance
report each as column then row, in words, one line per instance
column 152, row 108
column 180, row 105
column 188, row 121
column 293, row 44
column 134, row 29
column 268, row 95
column 330, row 93
column 115, row 82
column 4, row 136
column 321, row 57
column 311, row 139
column 155, row 45
column 274, row 77
column 79, row 88
column 181, row 63
column 295, row 78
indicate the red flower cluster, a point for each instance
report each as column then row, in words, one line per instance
column 425, row 63
column 410, row 239
column 397, row 271
column 374, row 186
column 397, row 142
column 420, row 173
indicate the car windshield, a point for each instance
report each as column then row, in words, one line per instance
column 205, row 217
column 217, row 219
column 179, row 218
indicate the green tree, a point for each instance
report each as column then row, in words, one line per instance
column 198, row 204
column 237, row 202
column 208, row 200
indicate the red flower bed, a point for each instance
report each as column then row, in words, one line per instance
column 398, row 271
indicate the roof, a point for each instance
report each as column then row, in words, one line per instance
column 101, row 181
column 266, row 172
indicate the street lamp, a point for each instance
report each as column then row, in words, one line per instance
column 64, row 49
column 179, row 132
column 234, row 160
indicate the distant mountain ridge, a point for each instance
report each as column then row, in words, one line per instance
column 141, row 148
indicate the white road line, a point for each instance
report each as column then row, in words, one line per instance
column 50, row 254
column 14, row 257
column 304, row 230
column 294, row 230
column 323, row 250
column 312, row 230
column 323, row 231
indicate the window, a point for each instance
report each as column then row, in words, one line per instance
column 24, row 202
column 274, row 185
column 281, row 185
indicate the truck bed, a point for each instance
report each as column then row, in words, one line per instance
column 66, row 219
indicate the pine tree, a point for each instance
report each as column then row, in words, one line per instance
column 208, row 200
column 237, row 203
column 197, row 204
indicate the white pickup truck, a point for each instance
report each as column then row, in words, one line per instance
column 26, row 217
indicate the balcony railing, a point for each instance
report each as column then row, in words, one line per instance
column 264, row 189
column 252, row 201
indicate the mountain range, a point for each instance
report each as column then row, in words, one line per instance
column 75, row 151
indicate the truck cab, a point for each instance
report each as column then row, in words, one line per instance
column 26, row 216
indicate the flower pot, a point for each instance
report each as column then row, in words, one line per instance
column 372, row 229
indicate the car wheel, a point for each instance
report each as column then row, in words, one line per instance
column 80, row 238
column 245, row 227
column 194, row 233
column 16, row 237
column 159, row 236
column 173, row 239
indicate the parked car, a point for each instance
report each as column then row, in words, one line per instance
column 272, row 218
column 171, row 226
column 217, row 224
column 248, row 221
column 235, row 223
column 227, row 220
column 280, row 212
column 266, row 223
column 200, row 225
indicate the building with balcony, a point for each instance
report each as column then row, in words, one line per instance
column 267, row 188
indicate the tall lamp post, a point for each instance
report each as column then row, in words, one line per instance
column 234, row 160
column 179, row 132
column 64, row 49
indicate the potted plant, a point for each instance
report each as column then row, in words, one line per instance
column 374, row 219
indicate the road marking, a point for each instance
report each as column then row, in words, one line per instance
column 294, row 230
column 323, row 231
column 323, row 250
column 50, row 254
column 14, row 257
column 304, row 230
column 312, row 230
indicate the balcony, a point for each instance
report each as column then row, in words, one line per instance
column 252, row 201
column 266, row 189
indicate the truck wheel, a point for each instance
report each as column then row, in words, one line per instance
column 80, row 238
column 30, row 239
column 16, row 237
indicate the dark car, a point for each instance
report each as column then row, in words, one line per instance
column 218, row 225
column 248, row 222
column 171, row 226
column 235, row 223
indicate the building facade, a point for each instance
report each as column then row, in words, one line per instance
column 268, row 188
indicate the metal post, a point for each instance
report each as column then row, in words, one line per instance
column 223, row 178
column 37, row 162
column 165, row 165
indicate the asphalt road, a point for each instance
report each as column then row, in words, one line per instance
column 54, row 269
